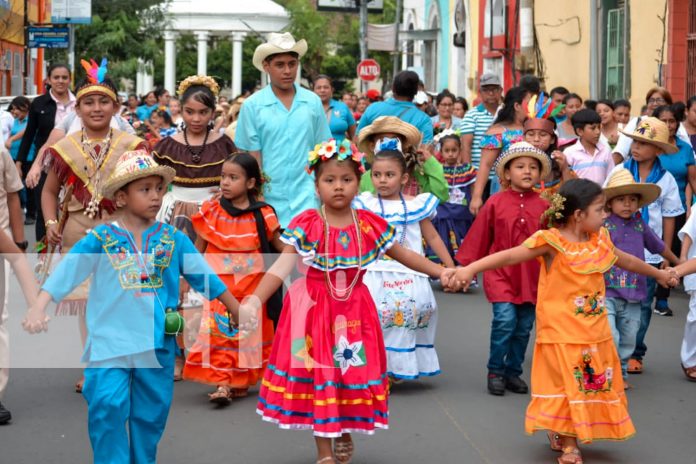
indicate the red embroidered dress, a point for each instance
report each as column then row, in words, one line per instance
column 219, row 357
column 327, row 370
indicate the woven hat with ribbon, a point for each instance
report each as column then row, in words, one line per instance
column 622, row 182
column 655, row 132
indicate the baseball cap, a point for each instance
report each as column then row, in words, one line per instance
column 489, row 79
column 420, row 98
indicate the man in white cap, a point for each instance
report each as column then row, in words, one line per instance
column 280, row 124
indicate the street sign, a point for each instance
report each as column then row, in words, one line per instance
column 368, row 70
column 71, row 11
column 48, row 37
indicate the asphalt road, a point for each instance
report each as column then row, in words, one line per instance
column 447, row 419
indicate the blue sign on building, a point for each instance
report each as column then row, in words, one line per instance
column 48, row 37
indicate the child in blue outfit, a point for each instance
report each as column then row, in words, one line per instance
column 135, row 263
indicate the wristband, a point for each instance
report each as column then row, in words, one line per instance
column 50, row 222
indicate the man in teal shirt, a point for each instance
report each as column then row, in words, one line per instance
column 404, row 87
column 280, row 124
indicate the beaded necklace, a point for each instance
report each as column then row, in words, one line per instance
column 196, row 154
column 383, row 214
column 338, row 294
column 97, row 150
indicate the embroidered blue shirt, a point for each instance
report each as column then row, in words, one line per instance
column 631, row 236
column 130, row 290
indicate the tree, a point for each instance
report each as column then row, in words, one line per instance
column 122, row 31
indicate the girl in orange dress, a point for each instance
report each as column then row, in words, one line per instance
column 228, row 232
column 577, row 388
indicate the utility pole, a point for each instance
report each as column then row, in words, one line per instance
column 27, row 51
column 362, row 4
column 397, row 48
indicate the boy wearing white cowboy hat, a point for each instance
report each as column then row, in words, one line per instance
column 135, row 264
column 280, row 124
column 505, row 221
column 629, row 233
column 650, row 139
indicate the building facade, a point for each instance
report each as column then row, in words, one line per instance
column 12, row 52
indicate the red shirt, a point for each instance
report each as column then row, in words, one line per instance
column 505, row 221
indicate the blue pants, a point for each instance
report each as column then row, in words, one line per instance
column 510, row 329
column 624, row 320
column 138, row 396
column 645, row 316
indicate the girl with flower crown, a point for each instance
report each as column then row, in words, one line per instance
column 328, row 370
column 404, row 298
column 83, row 160
column 197, row 154
column 577, row 389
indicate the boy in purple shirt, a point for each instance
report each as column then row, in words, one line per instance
column 629, row 233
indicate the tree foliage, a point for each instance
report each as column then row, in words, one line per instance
column 122, row 31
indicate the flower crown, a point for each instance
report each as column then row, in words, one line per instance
column 342, row 151
column 445, row 133
column 557, row 202
column 205, row 81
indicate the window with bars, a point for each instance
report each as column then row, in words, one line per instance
column 615, row 54
column 691, row 51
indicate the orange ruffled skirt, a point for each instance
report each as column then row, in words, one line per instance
column 578, row 391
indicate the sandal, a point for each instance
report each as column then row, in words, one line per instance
column 326, row 460
column 343, row 451
column 239, row 393
column 554, row 441
column 571, row 455
column 221, row 396
column 690, row 373
column 635, row 366
column 78, row 386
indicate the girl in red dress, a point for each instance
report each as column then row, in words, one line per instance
column 327, row 370
column 229, row 233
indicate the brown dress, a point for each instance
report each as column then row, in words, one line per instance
column 194, row 178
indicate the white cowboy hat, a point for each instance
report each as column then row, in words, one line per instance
column 278, row 43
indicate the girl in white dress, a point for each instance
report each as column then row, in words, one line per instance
column 404, row 298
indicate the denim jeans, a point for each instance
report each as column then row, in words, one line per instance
column 645, row 316
column 624, row 320
column 495, row 186
column 510, row 329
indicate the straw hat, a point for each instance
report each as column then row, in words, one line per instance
column 388, row 124
column 519, row 150
column 655, row 132
column 134, row 165
column 622, row 182
column 278, row 43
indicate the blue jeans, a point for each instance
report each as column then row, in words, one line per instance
column 495, row 186
column 624, row 320
column 510, row 329
column 645, row 316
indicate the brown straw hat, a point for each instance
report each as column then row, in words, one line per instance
column 622, row 182
column 134, row 165
column 411, row 136
column 655, row 132
column 519, row 150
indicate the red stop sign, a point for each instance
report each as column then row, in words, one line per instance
column 368, row 70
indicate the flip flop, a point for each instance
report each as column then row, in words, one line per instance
column 690, row 373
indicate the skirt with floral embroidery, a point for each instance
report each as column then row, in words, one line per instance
column 327, row 369
column 578, row 391
column 408, row 315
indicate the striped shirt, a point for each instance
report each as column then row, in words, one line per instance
column 594, row 166
column 476, row 121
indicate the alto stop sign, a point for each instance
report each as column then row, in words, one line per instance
column 368, row 70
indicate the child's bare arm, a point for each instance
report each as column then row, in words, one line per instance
column 414, row 261
column 668, row 231
column 633, row 264
column 669, row 255
column 433, row 239
column 274, row 277
column 20, row 265
column 509, row 257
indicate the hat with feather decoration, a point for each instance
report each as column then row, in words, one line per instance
column 540, row 112
column 95, row 80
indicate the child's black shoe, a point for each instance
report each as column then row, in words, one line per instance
column 496, row 384
column 516, row 385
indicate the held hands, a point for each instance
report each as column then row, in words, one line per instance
column 669, row 277
column 249, row 310
column 460, row 280
column 447, row 277
column 36, row 320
